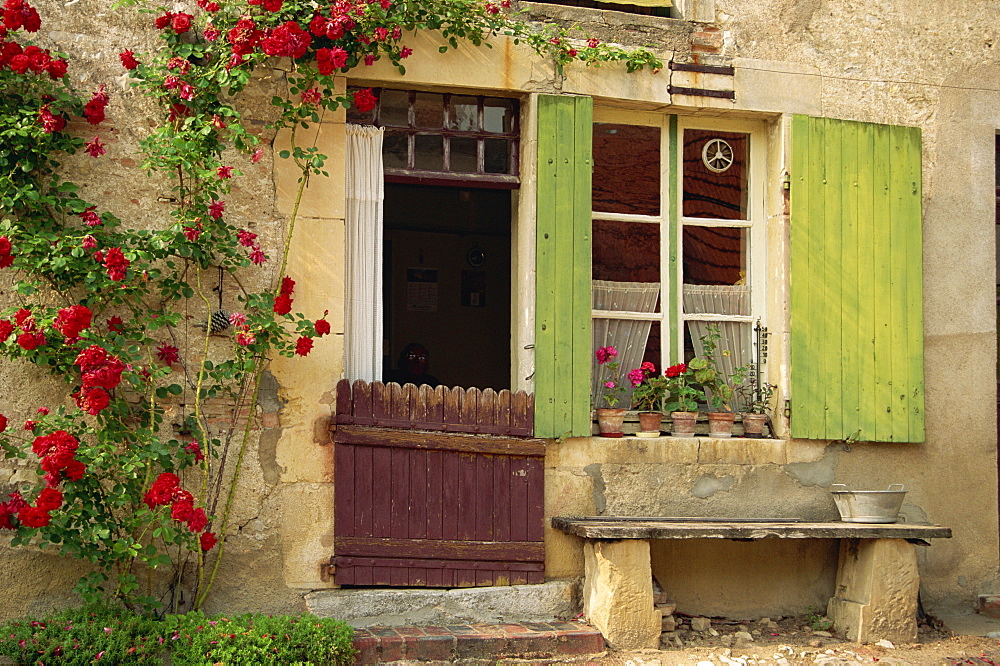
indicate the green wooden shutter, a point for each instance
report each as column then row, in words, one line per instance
column 562, row 267
column 856, row 282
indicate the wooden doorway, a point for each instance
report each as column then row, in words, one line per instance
column 436, row 487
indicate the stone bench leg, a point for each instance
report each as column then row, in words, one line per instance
column 618, row 593
column 876, row 594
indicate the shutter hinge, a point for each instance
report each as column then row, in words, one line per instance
column 786, row 180
column 788, row 409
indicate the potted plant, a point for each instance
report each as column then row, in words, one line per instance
column 756, row 401
column 718, row 386
column 610, row 418
column 648, row 391
column 681, row 400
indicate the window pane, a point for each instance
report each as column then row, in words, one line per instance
column 498, row 155
column 429, row 152
column 394, row 108
column 626, row 251
column 498, row 115
column 626, row 169
column 428, row 111
column 715, row 255
column 463, row 154
column 716, row 172
column 464, row 113
column 394, row 150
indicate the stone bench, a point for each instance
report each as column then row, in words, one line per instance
column 877, row 578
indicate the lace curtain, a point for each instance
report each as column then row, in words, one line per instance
column 364, row 192
column 628, row 336
column 726, row 300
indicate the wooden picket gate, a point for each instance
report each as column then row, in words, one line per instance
column 436, row 487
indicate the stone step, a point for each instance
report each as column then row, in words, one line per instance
column 471, row 642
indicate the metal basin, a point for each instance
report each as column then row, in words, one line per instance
column 868, row 506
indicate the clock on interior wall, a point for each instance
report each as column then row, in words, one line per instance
column 717, row 155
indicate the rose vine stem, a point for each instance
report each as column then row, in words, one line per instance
column 198, row 418
column 258, row 372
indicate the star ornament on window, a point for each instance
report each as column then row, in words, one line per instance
column 717, row 155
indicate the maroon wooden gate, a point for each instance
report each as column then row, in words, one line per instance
column 436, row 487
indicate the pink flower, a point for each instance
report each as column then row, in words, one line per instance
column 609, row 385
column 90, row 218
column 310, row 97
column 257, row 155
column 237, row 319
column 225, row 172
column 95, row 148
column 246, row 238
column 405, row 52
column 195, row 449
column 593, row 43
column 245, row 338
column 636, row 376
column 193, row 233
column 216, row 208
column 605, row 354
column 89, row 242
column 257, row 256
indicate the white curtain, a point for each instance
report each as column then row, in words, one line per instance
column 735, row 336
column 364, row 192
column 628, row 336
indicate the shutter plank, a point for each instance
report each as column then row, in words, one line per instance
column 581, row 273
column 865, row 342
column 670, row 300
column 849, row 260
column 911, row 204
column 881, row 307
column 831, row 349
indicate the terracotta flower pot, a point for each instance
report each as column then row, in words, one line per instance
column 610, row 420
column 649, row 424
column 720, row 424
column 753, row 424
column 682, row 423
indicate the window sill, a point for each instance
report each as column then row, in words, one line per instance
column 699, row 450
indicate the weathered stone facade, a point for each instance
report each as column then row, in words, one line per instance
column 890, row 61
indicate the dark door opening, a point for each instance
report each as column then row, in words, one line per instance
column 447, row 281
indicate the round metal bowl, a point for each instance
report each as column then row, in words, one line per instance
column 868, row 506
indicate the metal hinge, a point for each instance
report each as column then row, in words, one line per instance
column 788, row 409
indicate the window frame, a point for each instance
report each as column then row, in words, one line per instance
column 671, row 316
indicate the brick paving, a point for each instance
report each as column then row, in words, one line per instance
column 483, row 643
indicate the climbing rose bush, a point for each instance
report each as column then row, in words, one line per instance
column 108, row 475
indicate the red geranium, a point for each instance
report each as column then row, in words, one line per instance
column 676, row 370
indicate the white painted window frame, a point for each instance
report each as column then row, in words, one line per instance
column 671, row 280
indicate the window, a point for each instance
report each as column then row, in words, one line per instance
column 468, row 138
column 678, row 236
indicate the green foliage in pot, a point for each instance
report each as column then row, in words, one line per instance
column 719, row 387
column 756, row 397
column 649, row 388
column 682, row 390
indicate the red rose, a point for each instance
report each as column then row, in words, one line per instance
column 198, row 520
column 74, row 470
column 56, row 69
column 167, row 354
column 93, row 400
column 162, row 491
column 364, row 100
column 182, row 511
column 303, row 346
column 287, row 286
column 322, row 327
column 181, row 22
column 208, row 541
column 30, row 340
column 33, row 517
column 49, row 499
column 164, row 20
column 128, row 59
column 6, row 328
column 283, row 304
column 3, row 422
